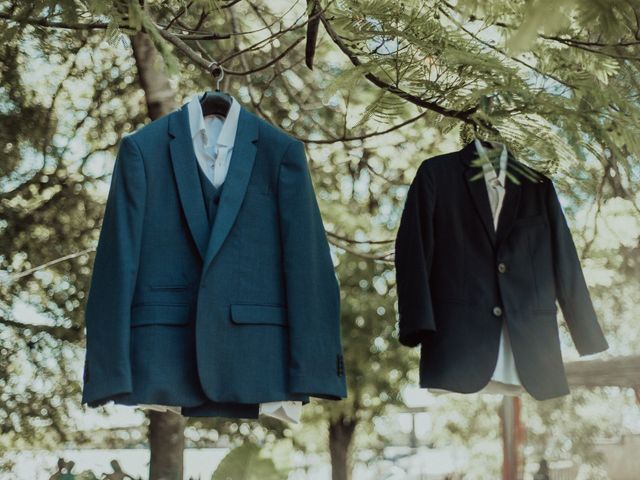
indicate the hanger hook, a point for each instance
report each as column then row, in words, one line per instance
column 218, row 73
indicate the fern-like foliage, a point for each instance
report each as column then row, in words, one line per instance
column 554, row 79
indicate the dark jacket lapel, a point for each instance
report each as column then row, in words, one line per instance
column 235, row 184
column 184, row 161
column 478, row 190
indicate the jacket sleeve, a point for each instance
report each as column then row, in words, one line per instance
column 312, row 292
column 413, row 255
column 107, row 313
column 571, row 287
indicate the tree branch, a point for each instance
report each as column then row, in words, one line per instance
column 385, row 257
column 346, row 138
column 20, row 275
column 275, row 60
column 43, row 22
column 463, row 115
column 62, row 333
column 350, row 240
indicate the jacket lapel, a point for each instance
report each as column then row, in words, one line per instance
column 235, row 184
column 478, row 190
column 183, row 159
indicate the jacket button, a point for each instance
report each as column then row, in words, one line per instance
column 502, row 267
column 497, row 311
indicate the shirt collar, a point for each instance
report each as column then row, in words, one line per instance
column 229, row 125
column 488, row 168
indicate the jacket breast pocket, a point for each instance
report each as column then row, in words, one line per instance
column 169, row 287
column 167, row 314
column 252, row 314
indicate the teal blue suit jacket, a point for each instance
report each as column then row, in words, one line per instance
column 220, row 319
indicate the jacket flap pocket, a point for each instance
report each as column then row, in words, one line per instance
column 168, row 314
column 259, row 314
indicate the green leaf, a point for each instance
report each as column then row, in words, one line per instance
column 246, row 463
column 539, row 15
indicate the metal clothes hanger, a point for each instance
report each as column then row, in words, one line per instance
column 216, row 102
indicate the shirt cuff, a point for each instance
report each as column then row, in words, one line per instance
column 288, row 411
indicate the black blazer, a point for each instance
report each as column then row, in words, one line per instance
column 458, row 279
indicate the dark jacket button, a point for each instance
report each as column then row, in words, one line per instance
column 497, row 311
column 502, row 267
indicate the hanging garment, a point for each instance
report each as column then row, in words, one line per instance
column 213, row 139
column 216, row 312
column 460, row 279
column 505, row 378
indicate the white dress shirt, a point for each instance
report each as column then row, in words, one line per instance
column 505, row 379
column 213, row 139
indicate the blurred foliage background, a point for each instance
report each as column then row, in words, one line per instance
column 373, row 88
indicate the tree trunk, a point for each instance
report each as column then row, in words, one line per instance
column 340, row 436
column 166, row 442
column 512, row 438
column 152, row 76
column 166, row 430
